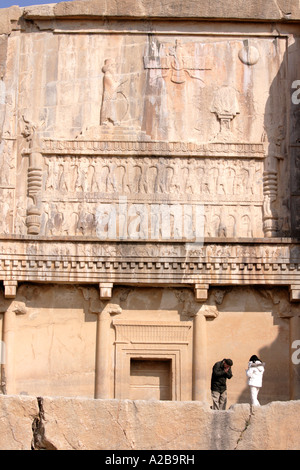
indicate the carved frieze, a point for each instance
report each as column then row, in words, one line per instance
column 126, row 147
column 209, row 178
column 77, row 191
column 131, row 263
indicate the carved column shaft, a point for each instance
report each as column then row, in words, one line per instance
column 199, row 358
column 102, row 372
column 270, row 216
column 34, row 187
column 8, row 368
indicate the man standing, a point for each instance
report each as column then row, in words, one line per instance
column 220, row 373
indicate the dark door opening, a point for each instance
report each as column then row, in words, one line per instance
column 150, row 379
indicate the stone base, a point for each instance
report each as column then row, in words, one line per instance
column 87, row 424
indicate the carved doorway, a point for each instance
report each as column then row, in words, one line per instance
column 150, row 379
column 151, row 359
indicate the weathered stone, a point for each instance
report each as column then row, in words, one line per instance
column 87, row 424
column 272, row 427
column 17, row 415
column 149, row 199
column 141, row 425
column 172, row 9
column 9, row 18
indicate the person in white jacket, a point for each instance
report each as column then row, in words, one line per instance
column 255, row 374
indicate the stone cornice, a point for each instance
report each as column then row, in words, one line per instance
column 214, row 263
column 159, row 148
column 260, row 10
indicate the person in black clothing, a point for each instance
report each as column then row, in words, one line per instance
column 220, row 373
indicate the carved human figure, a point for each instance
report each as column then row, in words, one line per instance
column 86, row 221
column 228, row 181
column 178, row 74
column 246, row 229
column 62, row 183
column 54, row 225
column 96, row 178
column 114, row 102
column 52, row 178
column 145, row 182
column 81, row 177
column 6, row 161
column 6, row 211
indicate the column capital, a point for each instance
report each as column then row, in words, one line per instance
column 201, row 292
column 208, row 311
column 105, row 290
column 10, row 289
column 294, row 292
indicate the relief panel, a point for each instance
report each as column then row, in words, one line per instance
column 142, row 192
column 153, row 118
column 184, row 88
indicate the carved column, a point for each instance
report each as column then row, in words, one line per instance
column 207, row 309
column 8, row 368
column 34, row 185
column 34, row 177
column 199, row 357
column 199, row 346
column 103, row 369
column 8, row 373
column 295, row 358
column 8, row 346
column 270, row 216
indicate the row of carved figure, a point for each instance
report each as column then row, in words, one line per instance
column 147, row 175
column 178, row 251
column 150, row 221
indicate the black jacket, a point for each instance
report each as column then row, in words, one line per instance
column 219, row 376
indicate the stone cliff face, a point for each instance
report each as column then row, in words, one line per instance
column 149, row 202
column 86, row 424
column 172, row 9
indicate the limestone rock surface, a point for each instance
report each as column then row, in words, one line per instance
column 88, row 424
column 17, row 414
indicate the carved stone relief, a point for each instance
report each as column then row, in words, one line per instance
column 105, row 221
column 31, row 134
column 114, row 105
column 7, row 163
column 295, row 189
column 225, row 106
column 176, row 62
column 176, row 88
column 6, row 208
column 212, row 179
column 248, row 54
column 167, row 79
column 147, row 190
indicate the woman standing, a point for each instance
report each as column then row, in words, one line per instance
column 255, row 374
